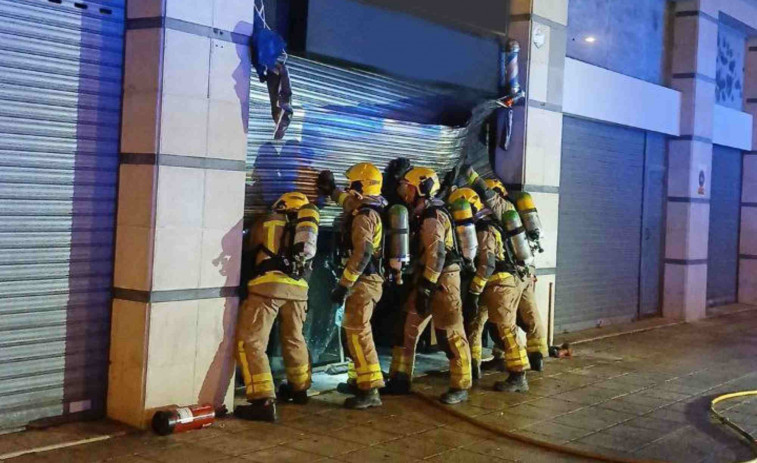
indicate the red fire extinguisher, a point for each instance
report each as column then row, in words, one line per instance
column 182, row 419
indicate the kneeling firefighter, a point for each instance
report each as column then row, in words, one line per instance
column 361, row 285
column 496, row 287
column 435, row 290
column 283, row 246
column 495, row 197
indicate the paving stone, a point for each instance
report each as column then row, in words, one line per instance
column 557, row 431
column 646, row 422
column 588, row 395
column 281, row 454
column 400, row 426
column 465, row 456
column 322, row 423
column 558, row 406
column 375, row 455
column 507, row 421
column 238, row 444
column 683, row 445
column 416, row 446
column 515, row 450
column 528, row 410
column 325, row 445
column 594, row 418
column 451, row 436
column 365, row 435
column 184, row 453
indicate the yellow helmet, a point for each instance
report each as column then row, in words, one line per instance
column 290, row 202
column 424, row 180
column 496, row 185
column 469, row 195
column 365, row 179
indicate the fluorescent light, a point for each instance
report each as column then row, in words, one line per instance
column 590, row 39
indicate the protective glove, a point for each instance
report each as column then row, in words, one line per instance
column 325, row 183
column 339, row 294
column 423, row 297
column 470, row 304
column 468, row 173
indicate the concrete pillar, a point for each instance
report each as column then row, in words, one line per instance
column 533, row 161
column 180, row 205
column 690, row 161
column 748, row 234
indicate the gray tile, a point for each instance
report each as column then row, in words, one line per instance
column 588, row 395
column 557, row 431
column 594, row 418
column 646, row 422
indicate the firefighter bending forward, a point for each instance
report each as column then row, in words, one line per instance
column 495, row 197
column 279, row 285
column 436, row 289
column 361, row 284
column 493, row 294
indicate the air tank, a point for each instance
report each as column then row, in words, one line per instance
column 516, row 237
column 530, row 218
column 398, row 237
column 306, row 233
column 465, row 229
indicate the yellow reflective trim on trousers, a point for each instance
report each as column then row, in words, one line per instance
column 350, row 276
column 475, row 352
column 515, row 355
column 431, row 275
column 260, row 377
column 351, row 372
column 370, row 377
column 244, row 365
column 308, row 224
column 465, row 370
column 372, row 368
column 478, row 283
column 500, row 276
column 298, row 380
column 277, row 277
column 537, row 345
column 262, row 387
column 400, row 362
column 358, row 352
column 298, row 370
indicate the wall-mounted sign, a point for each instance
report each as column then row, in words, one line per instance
column 702, row 179
column 539, row 36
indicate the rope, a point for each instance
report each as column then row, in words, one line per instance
column 524, row 439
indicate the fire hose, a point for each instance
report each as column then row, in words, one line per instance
column 525, row 439
column 726, row 421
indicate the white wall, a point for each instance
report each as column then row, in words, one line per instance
column 732, row 128
column 596, row 93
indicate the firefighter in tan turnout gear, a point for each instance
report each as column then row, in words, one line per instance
column 436, row 289
column 283, row 244
column 495, row 197
column 361, row 284
column 493, row 293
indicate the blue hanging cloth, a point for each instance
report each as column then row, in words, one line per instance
column 269, row 59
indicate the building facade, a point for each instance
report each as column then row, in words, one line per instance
column 130, row 131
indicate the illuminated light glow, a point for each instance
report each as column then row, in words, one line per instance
column 590, row 39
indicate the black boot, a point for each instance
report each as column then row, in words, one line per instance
column 363, row 400
column 399, row 385
column 258, row 410
column 516, row 382
column 497, row 364
column 350, row 387
column 286, row 394
column 454, row 396
column 476, row 370
column 536, row 360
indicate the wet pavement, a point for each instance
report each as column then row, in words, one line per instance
column 643, row 395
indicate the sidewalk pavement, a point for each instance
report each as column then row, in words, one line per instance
column 643, row 395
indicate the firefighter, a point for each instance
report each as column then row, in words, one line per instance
column 278, row 287
column 497, row 289
column 435, row 289
column 361, row 284
column 495, row 196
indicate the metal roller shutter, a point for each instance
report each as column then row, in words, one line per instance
column 60, row 87
column 723, row 247
column 344, row 116
column 598, row 252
